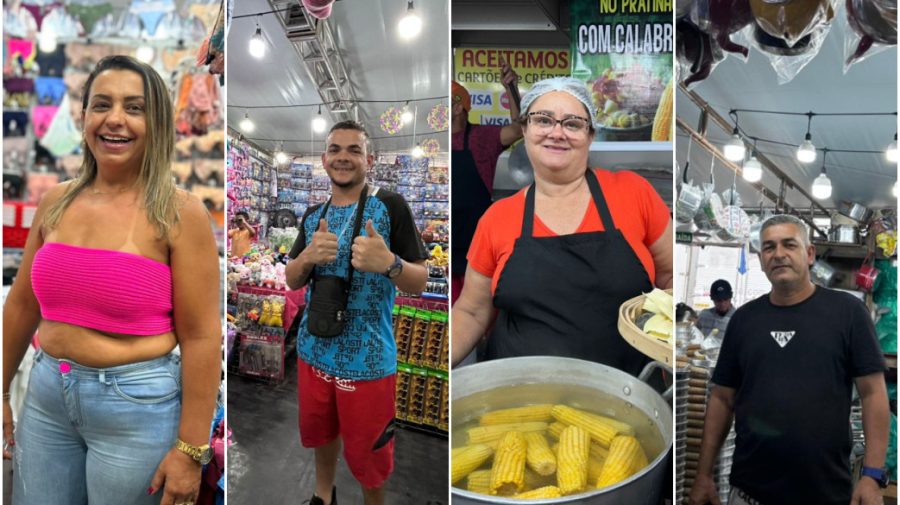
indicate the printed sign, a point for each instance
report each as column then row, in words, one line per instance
column 478, row 70
column 622, row 49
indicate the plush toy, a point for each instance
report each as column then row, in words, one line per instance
column 253, row 315
column 280, row 279
column 267, row 275
column 277, row 312
column 265, row 318
column 244, row 274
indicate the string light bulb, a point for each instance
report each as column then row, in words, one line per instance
column 418, row 152
column 144, row 53
column 891, row 151
column 318, row 122
column 246, row 124
column 752, row 170
column 257, row 45
column 735, row 148
column 281, row 157
column 406, row 116
column 411, row 24
column 821, row 187
column 806, row 151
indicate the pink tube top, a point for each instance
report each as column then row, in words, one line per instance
column 110, row 291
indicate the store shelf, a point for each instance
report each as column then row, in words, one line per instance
column 837, row 250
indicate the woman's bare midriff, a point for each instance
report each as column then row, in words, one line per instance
column 98, row 349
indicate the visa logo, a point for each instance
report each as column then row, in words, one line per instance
column 482, row 100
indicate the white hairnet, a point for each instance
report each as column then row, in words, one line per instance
column 568, row 85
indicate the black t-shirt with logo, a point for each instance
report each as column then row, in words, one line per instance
column 793, row 369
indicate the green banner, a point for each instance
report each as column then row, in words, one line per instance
column 623, row 50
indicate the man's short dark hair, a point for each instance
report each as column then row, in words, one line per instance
column 242, row 213
column 349, row 125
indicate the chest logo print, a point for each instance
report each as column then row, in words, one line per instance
column 783, row 337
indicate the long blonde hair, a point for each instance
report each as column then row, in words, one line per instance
column 155, row 177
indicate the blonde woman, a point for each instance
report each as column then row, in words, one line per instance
column 120, row 267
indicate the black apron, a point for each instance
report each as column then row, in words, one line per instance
column 560, row 296
column 470, row 199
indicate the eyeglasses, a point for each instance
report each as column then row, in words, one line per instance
column 544, row 123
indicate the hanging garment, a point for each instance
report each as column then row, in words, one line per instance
column 89, row 14
column 50, row 90
column 41, row 116
column 62, row 136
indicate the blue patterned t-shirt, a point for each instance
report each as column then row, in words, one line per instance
column 366, row 350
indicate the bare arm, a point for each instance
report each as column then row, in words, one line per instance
column 21, row 311
column 661, row 250
column 471, row 315
column 876, row 417
column 413, row 277
column 719, row 416
column 197, row 299
column 513, row 131
column 876, row 424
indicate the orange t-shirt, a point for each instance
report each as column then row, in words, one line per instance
column 636, row 208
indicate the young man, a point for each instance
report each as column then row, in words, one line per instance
column 785, row 375
column 717, row 317
column 346, row 383
column 241, row 234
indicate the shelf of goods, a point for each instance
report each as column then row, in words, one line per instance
column 423, row 345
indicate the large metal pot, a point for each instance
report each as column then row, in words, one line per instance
column 515, row 382
column 844, row 234
column 856, row 212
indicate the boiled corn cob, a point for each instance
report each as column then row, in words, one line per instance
column 479, row 481
column 601, row 429
column 508, row 471
column 536, row 494
column 555, row 428
column 572, row 461
column 538, row 455
column 493, row 433
column 662, row 122
column 467, row 460
column 530, row 413
column 625, row 458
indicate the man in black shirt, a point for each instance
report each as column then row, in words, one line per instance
column 785, row 375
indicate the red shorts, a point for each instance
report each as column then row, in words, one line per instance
column 360, row 412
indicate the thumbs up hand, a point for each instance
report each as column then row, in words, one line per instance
column 370, row 253
column 324, row 245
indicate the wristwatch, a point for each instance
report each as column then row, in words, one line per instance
column 395, row 269
column 880, row 475
column 202, row 454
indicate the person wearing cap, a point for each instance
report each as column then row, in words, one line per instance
column 475, row 149
column 717, row 317
column 785, row 375
column 558, row 258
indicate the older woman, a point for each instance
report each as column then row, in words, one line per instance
column 558, row 258
column 119, row 268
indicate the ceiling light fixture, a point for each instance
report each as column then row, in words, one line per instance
column 821, row 188
column 144, row 53
column 257, row 45
column 752, row 169
column 734, row 148
column 891, row 151
column 47, row 40
column 281, row 157
column 418, row 152
column 246, row 124
column 318, row 122
column 411, row 24
column 806, row 151
column 406, row 116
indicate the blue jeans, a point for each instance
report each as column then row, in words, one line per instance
column 95, row 435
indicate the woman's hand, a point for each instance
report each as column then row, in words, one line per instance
column 178, row 475
column 8, row 428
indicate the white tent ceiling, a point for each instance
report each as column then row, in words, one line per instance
column 869, row 86
column 381, row 66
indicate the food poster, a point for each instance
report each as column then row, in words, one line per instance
column 623, row 50
column 478, row 70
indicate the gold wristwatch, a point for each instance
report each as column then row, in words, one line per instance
column 202, row 454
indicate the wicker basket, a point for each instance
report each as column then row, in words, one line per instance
column 651, row 346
